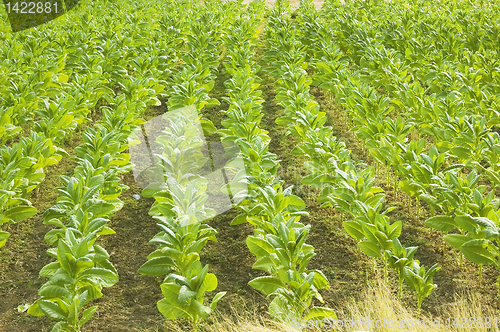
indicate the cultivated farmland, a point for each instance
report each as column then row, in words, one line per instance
column 230, row 166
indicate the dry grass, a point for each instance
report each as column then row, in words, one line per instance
column 380, row 311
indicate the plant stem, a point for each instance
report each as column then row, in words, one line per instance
column 374, row 267
column 498, row 284
column 385, row 269
column 400, row 290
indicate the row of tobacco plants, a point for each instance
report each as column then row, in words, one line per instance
column 279, row 239
column 443, row 92
column 422, row 95
column 52, row 80
column 181, row 193
column 345, row 185
column 91, row 196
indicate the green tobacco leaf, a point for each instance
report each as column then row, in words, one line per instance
column 216, row 299
column 3, row 238
column 466, row 222
column 443, row 223
column 170, row 306
column 354, row 229
column 209, row 283
column 369, row 248
column 207, row 125
column 49, row 269
column 461, row 153
column 480, row 251
column 171, row 309
column 100, row 273
column 491, row 228
column 34, row 309
column 319, row 313
column 52, row 291
column 295, row 204
column 320, row 280
column 457, row 240
column 87, row 314
column 52, row 310
column 279, row 309
column 396, row 228
column 211, row 103
column 240, row 219
column 259, row 247
column 19, row 213
column 52, row 236
column 157, row 266
column 185, row 294
column 197, row 309
column 267, row 284
column 264, row 263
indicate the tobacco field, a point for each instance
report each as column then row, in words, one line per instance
column 361, row 139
